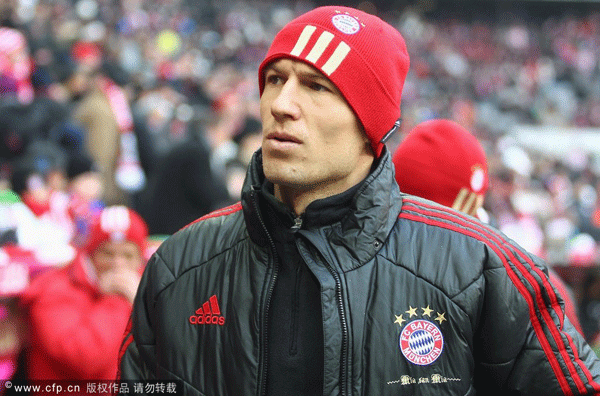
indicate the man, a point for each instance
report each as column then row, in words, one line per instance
column 442, row 161
column 325, row 280
column 77, row 314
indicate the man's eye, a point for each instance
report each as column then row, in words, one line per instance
column 318, row 87
column 274, row 79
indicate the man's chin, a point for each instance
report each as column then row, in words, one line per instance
column 285, row 176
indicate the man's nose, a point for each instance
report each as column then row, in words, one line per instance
column 286, row 102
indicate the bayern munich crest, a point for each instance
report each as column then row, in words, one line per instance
column 421, row 342
column 346, row 23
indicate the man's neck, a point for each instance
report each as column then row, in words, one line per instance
column 298, row 199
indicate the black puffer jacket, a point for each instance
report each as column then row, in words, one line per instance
column 416, row 300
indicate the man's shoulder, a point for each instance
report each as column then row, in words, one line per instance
column 204, row 238
column 451, row 228
column 434, row 216
column 217, row 216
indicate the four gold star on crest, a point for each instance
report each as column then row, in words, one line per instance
column 426, row 311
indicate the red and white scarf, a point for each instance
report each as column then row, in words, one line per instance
column 129, row 174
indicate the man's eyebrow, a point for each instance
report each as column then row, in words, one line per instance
column 273, row 68
column 311, row 75
column 300, row 73
column 305, row 74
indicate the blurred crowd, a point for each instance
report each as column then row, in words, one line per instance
column 153, row 105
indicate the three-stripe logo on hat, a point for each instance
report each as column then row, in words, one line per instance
column 208, row 314
column 319, row 47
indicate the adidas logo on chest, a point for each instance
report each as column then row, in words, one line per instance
column 208, row 314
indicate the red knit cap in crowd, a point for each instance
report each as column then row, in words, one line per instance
column 441, row 161
column 363, row 56
column 118, row 223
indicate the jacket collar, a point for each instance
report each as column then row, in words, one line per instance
column 359, row 233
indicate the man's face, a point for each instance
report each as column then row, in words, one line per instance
column 116, row 255
column 312, row 140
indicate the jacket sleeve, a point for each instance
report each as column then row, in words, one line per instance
column 137, row 357
column 525, row 344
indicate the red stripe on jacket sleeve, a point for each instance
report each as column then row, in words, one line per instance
column 537, row 327
column 495, row 238
column 502, row 242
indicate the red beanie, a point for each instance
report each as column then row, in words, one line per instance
column 363, row 56
column 441, row 161
column 117, row 223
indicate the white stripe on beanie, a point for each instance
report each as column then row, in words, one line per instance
column 303, row 40
column 334, row 61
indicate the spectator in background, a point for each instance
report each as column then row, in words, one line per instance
column 442, row 161
column 106, row 116
column 27, row 115
column 25, row 251
column 77, row 314
column 20, row 226
column 248, row 140
column 39, row 179
column 15, row 265
column 16, row 65
column 182, row 189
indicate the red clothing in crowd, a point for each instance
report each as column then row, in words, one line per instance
column 75, row 330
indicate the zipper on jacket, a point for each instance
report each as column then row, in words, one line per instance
column 263, row 381
column 295, row 303
column 344, row 324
